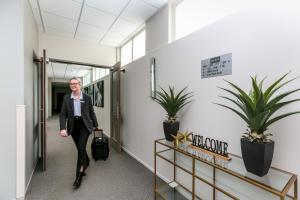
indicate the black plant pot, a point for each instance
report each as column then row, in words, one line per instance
column 170, row 129
column 257, row 156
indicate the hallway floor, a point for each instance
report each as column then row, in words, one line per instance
column 120, row 177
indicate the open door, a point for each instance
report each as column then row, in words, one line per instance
column 40, row 99
column 42, row 90
column 115, row 136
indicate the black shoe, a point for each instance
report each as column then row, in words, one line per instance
column 77, row 175
column 78, row 180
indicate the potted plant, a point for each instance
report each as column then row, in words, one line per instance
column 257, row 109
column 172, row 103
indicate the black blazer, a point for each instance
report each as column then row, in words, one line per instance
column 87, row 113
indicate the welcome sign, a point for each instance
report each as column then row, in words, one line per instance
column 209, row 144
column 210, row 148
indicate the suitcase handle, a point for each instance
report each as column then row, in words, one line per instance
column 100, row 130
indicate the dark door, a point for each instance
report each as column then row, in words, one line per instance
column 60, row 98
column 115, row 138
column 42, row 92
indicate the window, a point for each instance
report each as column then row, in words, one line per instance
column 139, row 45
column 192, row 15
column 99, row 73
column 134, row 48
column 87, row 79
column 126, row 53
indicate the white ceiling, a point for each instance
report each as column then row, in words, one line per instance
column 105, row 22
column 66, row 71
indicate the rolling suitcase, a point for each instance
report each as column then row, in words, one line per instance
column 100, row 146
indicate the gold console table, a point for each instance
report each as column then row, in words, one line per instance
column 216, row 181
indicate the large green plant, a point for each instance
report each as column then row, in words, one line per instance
column 172, row 102
column 258, row 107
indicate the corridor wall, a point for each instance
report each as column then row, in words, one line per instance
column 103, row 113
column 157, row 30
column 30, row 91
column 18, row 43
column 12, row 58
column 262, row 42
column 32, row 125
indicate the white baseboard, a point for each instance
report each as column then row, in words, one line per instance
column 146, row 165
column 27, row 186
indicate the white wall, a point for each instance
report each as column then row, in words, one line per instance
column 103, row 114
column 12, row 59
column 30, row 48
column 262, row 42
column 157, row 30
column 20, row 40
column 74, row 50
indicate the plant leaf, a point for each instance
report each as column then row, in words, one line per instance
column 235, row 111
column 271, row 121
column 269, row 90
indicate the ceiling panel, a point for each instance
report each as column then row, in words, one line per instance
column 124, row 27
column 138, row 11
column 110, row 6
column 109, row 41
column 59, row 70
column 113, row 38
column 71, row 71
column 67, row 71
column 89, row 33
column 66, row 8
column 156, row 3
column 60, row 18
column 58, row 32
column 95, row 17
column 82, row 72
column 84, row 67
column 59, row 23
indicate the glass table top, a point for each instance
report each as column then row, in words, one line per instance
column 275, row 179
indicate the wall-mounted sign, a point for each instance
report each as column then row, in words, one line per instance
column 216, row 66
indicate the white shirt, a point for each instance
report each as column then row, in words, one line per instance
column 77, row 104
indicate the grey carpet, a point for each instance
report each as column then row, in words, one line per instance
column 120, row 177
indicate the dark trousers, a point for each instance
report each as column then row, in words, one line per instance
column 80, row 136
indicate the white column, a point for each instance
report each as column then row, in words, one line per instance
column 20, row 145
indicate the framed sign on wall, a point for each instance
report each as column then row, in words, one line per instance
column 216, row 66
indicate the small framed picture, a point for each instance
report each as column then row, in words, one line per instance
column 99, row 94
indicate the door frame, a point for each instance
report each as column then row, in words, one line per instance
column 42, row 62
column 115, row 120
column 41, row 70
